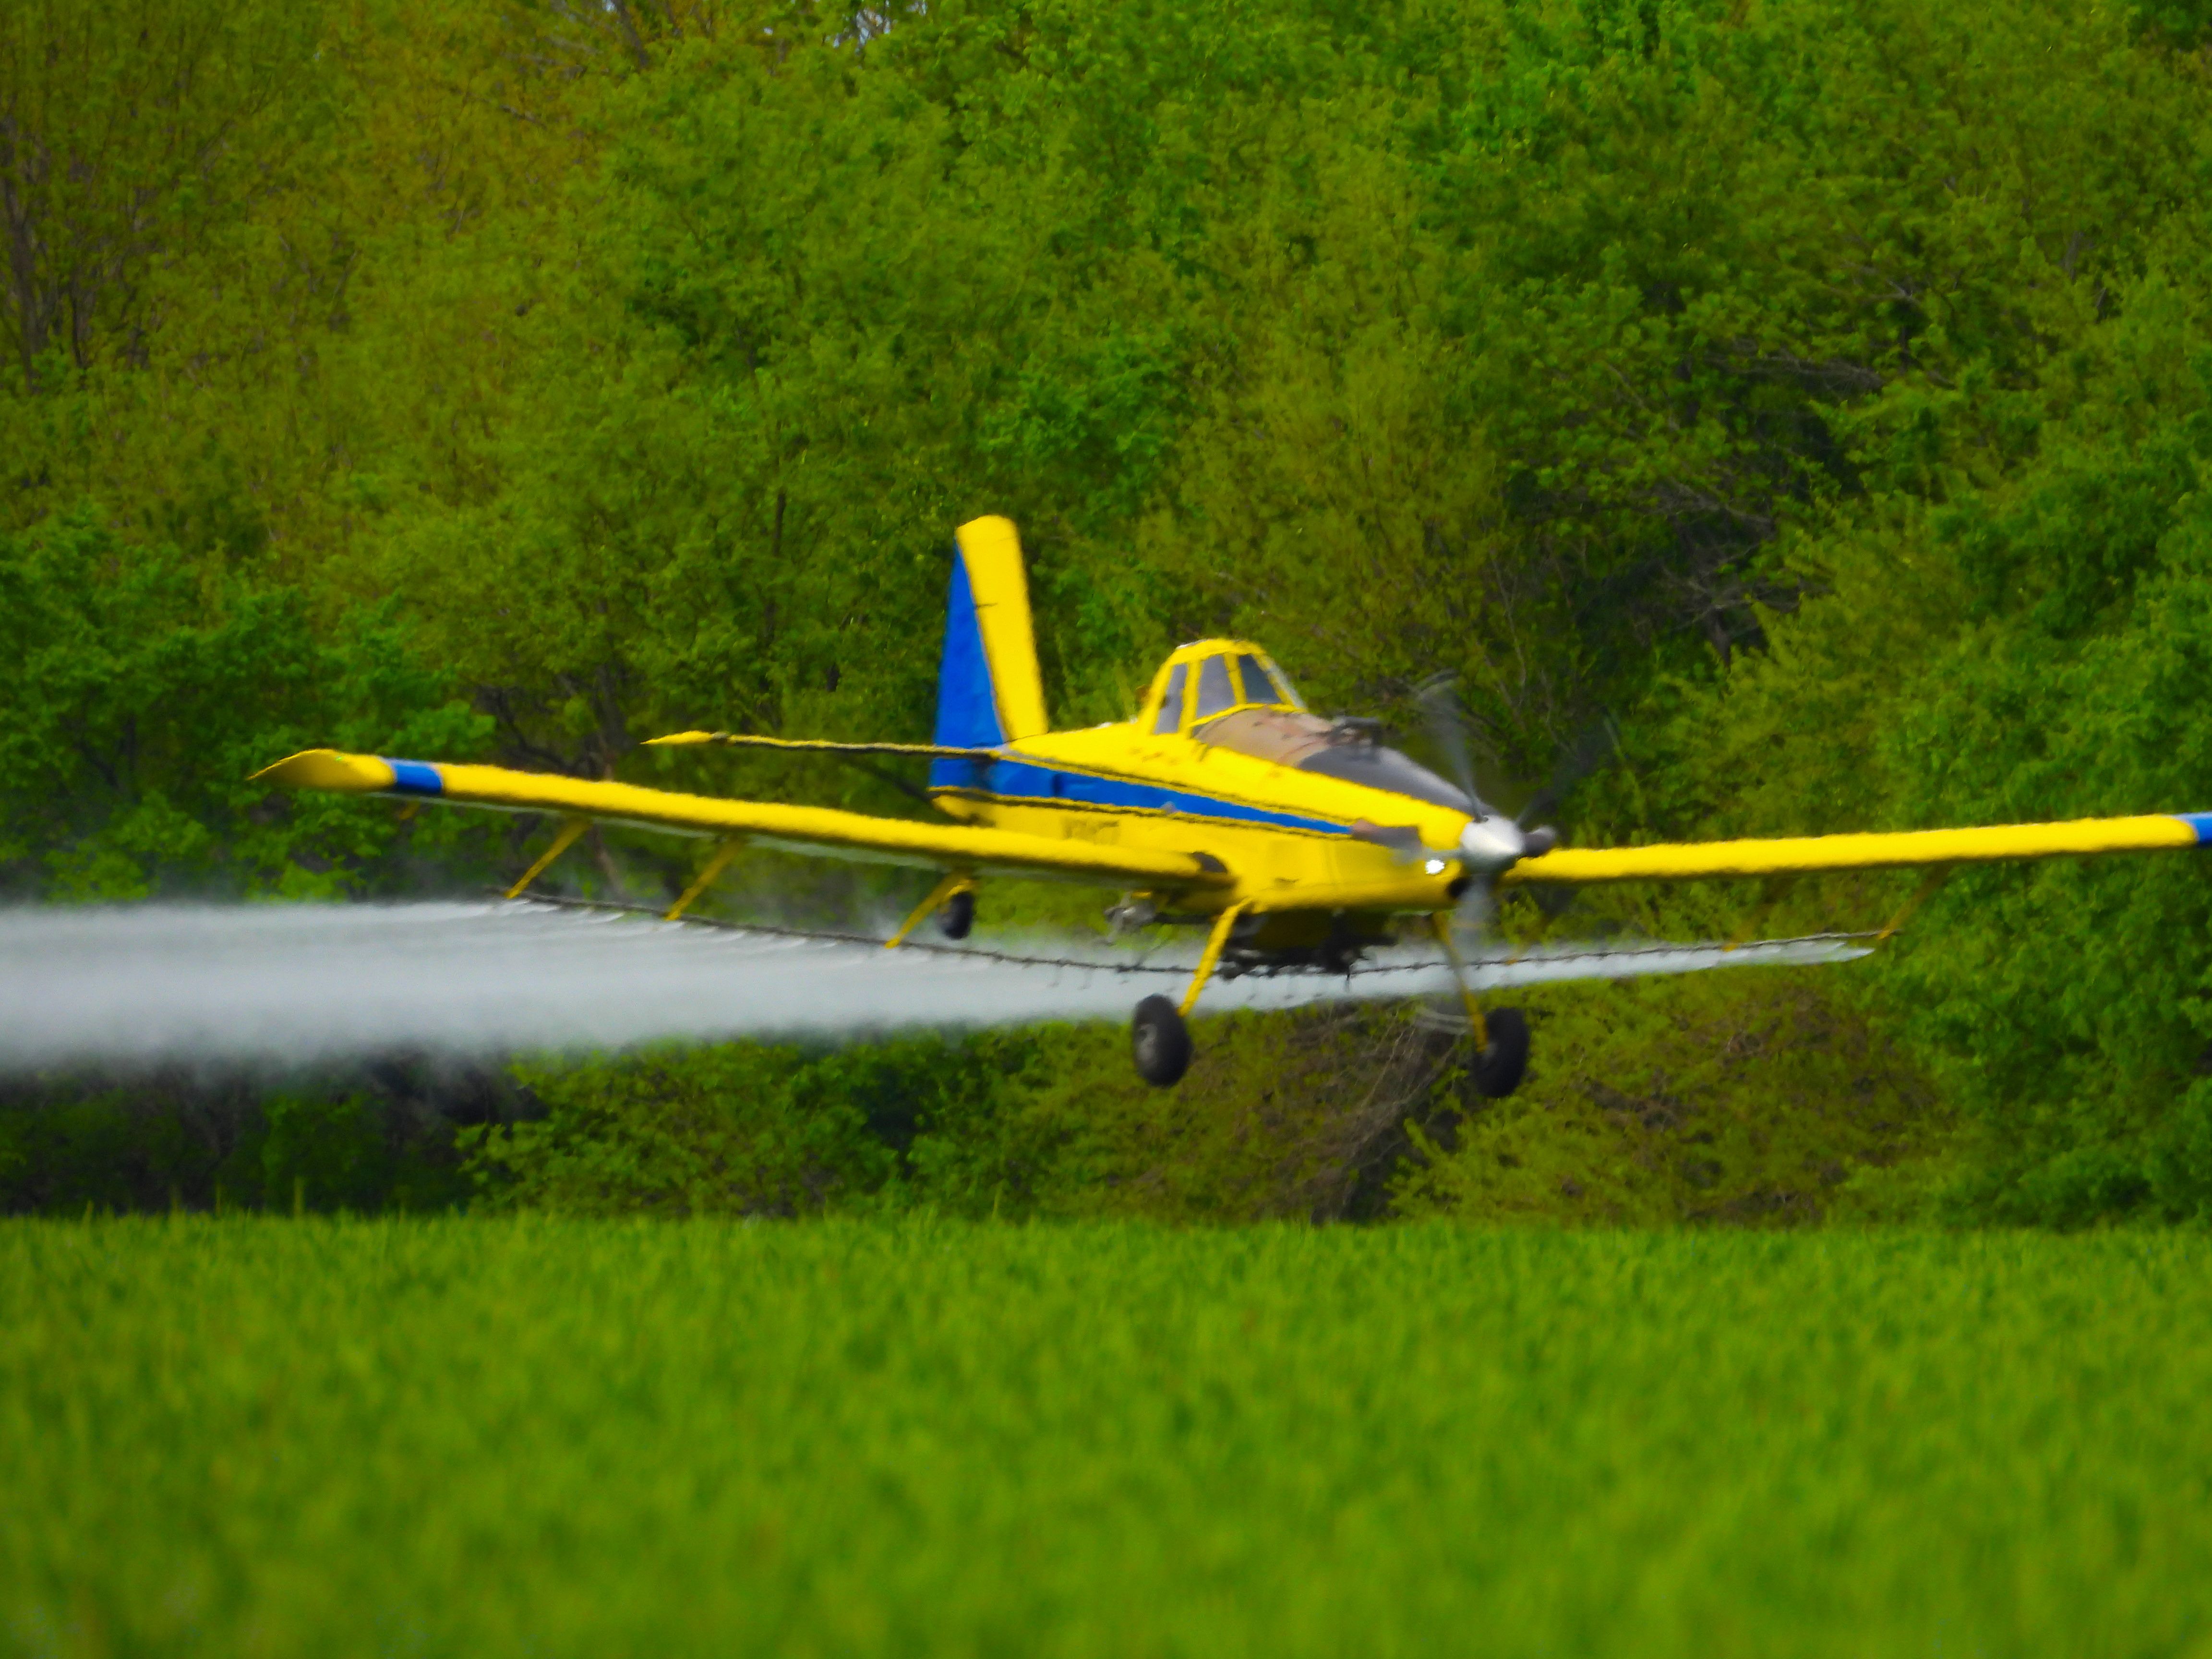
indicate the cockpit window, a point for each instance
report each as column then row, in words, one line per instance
column 1346, row 750
column 1378, row 768
column 1216, row 694
column 1259, row 685
column 1171, row 718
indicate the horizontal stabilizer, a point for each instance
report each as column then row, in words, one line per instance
column 816, row 745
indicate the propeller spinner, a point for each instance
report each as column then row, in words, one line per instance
column 1490, row 841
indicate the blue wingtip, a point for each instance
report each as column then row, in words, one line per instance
column 2201, row 823
column 415, row 778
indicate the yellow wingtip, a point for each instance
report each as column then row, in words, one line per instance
column 328, row 769
column 680, row 737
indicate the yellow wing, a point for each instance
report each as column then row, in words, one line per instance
column 817, row 829
column 1693, row 862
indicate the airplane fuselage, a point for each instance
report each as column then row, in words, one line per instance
column 1180, row 776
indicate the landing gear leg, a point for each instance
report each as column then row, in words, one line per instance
column 1158, row 1039
column 1501, row 1038
column 957, row 886
column 1216, row 942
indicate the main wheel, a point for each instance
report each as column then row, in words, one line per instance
column 1160, row 1042
column 958, row 916
column 1497, row 1069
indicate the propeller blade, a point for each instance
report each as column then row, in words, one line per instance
column 1597, row 744
column 1402, row 839
column 1438, row 697
column 1469, row 925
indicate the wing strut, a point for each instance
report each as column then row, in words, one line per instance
column 1921, row 894
column 561, row 844
column 714, row 865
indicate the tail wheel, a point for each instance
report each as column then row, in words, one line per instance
column 1498, row 1067
column 958, row 916
column 1160, row 1042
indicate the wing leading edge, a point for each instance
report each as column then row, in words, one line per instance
column 1694, row 861
column 952, row 846
column 817, row 829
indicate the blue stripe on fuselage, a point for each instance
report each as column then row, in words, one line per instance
column 415, row 778
column 1017, row 780
column 2201, row 823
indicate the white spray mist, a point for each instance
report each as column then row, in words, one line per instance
column 301, row 985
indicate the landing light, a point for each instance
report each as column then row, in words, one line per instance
column 1434, row 866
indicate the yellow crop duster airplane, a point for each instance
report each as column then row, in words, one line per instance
column 1295, row 841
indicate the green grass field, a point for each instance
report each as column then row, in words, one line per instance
column 473, row 1437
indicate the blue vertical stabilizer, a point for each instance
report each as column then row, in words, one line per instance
column 988, row 690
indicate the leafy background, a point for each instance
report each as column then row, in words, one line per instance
column 1809, row 397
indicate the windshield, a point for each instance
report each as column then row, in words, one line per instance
column 1260, row 687
column 1378, row 768
column 1209, row 686
column 1171, row 718
column 1344, row 750
column 1217, row 694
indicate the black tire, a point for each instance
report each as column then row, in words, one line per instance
column 1159, row 1042
column 1498, row 1067
column 958, row 916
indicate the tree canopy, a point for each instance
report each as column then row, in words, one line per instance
column 1813, row 394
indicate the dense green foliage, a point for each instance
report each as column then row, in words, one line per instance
column 579, row 1438
column 149, row 703
column 1045, row 1122
column 1659, row 1105
column 1814, row 393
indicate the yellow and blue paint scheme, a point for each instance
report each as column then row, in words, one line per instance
column 818, row 829
column 1154, row 805
column 1283, row 836
column 989, row 691
column 1221, row 798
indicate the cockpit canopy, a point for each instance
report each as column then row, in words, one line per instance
column 1203, row 682
column 1229, row 693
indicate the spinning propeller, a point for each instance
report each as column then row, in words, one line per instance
column 1491, row 841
